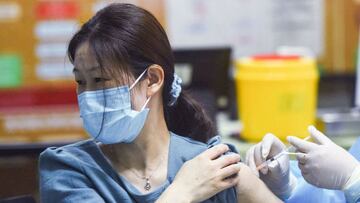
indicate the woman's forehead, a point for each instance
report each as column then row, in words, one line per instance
column 85, row 59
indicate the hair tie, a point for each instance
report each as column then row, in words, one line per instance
column 175, row 89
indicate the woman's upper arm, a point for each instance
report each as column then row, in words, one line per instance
column 62, row 180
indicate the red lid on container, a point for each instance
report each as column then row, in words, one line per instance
column 275, row 57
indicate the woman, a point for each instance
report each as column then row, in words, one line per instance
column 132, row 105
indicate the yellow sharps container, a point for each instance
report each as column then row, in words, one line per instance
column 276, row 94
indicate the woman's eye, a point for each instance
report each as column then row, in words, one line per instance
column 98, row 79
column 79, row 82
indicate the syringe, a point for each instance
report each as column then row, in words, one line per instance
column 286, row 151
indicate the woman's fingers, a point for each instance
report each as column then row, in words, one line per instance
column 216, row 151
column 227, row 160
column 230, row 170
column 229, row 182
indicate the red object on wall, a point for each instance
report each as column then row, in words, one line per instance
column 57, row 10
column 37, row 96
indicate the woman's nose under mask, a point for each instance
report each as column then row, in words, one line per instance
column 107, row 115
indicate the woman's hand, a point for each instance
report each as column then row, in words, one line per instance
column 204, row 176
column 251, row 189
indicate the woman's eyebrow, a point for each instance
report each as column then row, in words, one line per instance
column 92, row 69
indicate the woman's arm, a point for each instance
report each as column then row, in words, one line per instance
column 251, row 189
column 174, row 192
column 203, row 176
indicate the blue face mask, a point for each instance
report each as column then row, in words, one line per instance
column 108, row 117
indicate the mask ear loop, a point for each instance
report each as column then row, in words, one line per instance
column 133, row 85
column 138, row 79
column 147, row 101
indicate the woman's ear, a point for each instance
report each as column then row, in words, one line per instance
column 155, row 75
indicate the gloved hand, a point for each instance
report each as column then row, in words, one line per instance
column 276, row 175
column 323, row 163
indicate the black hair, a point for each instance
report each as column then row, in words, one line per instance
column 131, row 39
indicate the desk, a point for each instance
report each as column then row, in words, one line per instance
column 20, row 149
column 227, row 128
column 19, row 162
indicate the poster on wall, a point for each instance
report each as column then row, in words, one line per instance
column 38, row 100
column 249, row 27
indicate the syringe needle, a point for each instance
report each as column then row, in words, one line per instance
column 286, row 151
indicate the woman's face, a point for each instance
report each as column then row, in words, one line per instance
column 89, row 77
column 88, row 74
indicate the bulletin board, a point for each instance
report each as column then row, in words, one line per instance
column 37, row 93
column 249, row 27
column 327, row 29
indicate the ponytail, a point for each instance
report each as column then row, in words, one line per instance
column 188, row 118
